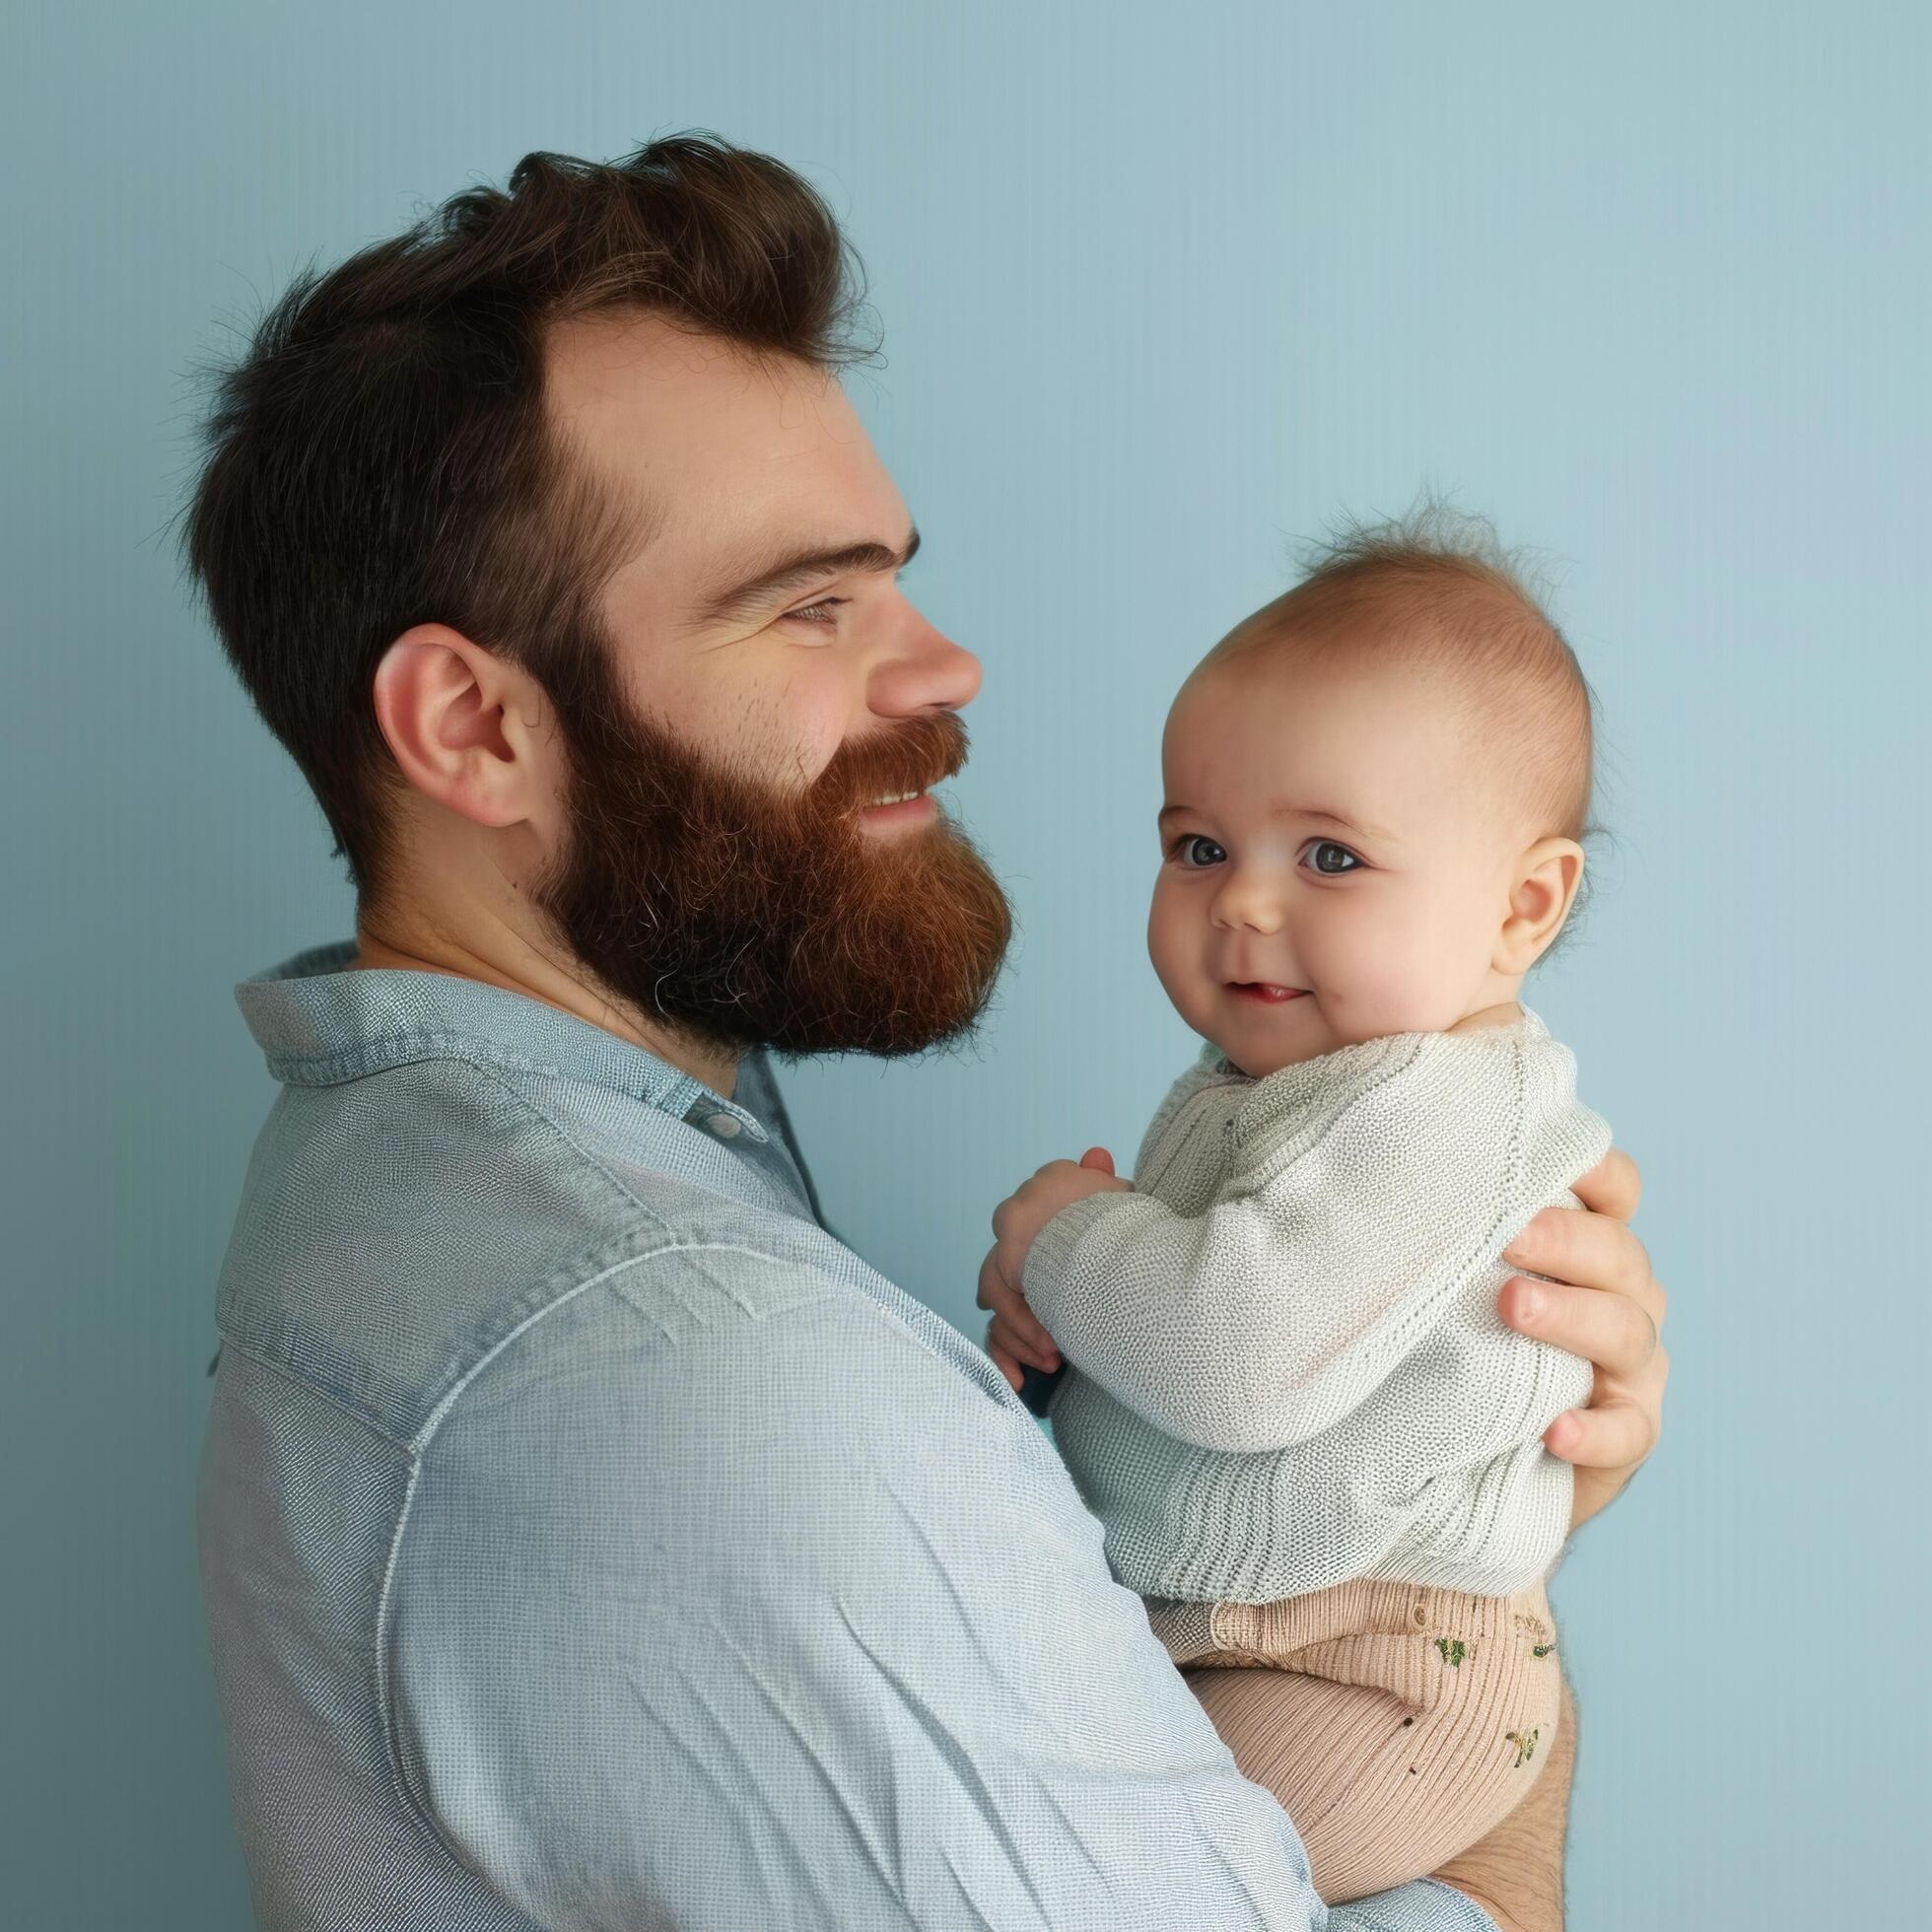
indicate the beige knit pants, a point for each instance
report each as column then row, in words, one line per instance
column 1396, row 1724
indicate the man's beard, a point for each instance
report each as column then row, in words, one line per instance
column 715, row 903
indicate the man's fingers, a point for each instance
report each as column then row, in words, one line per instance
column 1608, row 1435
column 1613, row 1187
column 1590, row 1250
column 1612, row 1331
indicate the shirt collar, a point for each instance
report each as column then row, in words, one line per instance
column 319, row 1022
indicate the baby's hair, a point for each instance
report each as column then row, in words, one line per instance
column 1435, row 590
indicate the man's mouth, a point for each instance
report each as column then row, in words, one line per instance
column 899, row 807
column 886, row 782
column 1265, row 993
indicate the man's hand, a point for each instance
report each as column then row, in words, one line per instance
column 1015, row 1338
column 1605, row 1305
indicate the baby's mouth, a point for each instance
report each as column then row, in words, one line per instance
column 1268, row 995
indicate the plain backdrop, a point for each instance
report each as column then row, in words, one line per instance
column 1163, row 289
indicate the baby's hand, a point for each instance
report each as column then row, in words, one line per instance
column 1015, row 1337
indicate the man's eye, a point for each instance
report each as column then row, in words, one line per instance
column 819, row 612
column 1194, row 851
column 1328, row 859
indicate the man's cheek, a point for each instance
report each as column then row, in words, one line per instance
column 812, row 719
column 778, row 730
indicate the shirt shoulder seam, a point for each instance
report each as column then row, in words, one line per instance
column 419, row 1443
column 415, row 1805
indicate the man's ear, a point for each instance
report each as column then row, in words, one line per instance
column 457, row 719
column 1546, row 879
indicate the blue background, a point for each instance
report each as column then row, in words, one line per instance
column 1163, row 288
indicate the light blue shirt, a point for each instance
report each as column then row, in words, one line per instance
column 590, row 1540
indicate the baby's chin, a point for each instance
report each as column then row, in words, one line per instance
column 1258, row 1065
column 1274, row 1039
column 1261, row 1035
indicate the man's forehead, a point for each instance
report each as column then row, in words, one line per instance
column 641, row 391
column 737, row 456
column 613, row 352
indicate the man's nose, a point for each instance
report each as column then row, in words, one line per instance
column 1247, row 899
column 923, row 672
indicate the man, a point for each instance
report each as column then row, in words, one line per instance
column 589, row 1538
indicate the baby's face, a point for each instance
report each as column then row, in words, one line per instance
column 1334, row 864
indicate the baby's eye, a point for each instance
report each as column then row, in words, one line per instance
column 1194, row 851
column 1330, row 858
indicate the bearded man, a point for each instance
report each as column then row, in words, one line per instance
column 589, row 1538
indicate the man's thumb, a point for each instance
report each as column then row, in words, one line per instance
column 1098, row 1157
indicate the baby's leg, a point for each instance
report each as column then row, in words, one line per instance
column 1397, row 1725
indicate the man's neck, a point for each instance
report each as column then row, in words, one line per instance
column 538, row 977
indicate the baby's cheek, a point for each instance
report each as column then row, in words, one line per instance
column 1187, row 992
column 1174, row 951
column 1377, row 978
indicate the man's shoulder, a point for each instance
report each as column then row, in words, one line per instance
column 711, row 1288
column 698, row 1342
column 397, row 1232
column 716, row 1418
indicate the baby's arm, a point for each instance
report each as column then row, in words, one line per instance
column 1324, row 1259
column 1223, row 1328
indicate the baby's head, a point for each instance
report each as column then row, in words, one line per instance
column 1376, row 788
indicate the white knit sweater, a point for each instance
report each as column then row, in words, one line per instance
column 1287, row 1367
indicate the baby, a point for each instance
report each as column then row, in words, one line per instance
column 1291, row 1400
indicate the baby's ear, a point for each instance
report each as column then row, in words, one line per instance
column 1546, row 876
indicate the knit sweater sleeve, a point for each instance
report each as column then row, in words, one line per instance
column 1363, row 1192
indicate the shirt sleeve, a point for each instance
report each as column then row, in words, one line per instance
column 1329, row 1251
column 689, row 1624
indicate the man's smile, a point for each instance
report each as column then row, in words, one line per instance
column 899, row 808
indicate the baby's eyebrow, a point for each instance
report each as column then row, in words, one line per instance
column 1169, row 814
column 1281, row 809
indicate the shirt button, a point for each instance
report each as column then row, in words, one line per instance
column 725, row 1126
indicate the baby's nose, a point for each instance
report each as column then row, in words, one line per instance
column 1248, row 902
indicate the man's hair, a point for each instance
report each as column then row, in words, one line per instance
column 380, row 457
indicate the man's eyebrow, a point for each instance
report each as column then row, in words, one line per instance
column 796, row 569
column 1280, row 810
